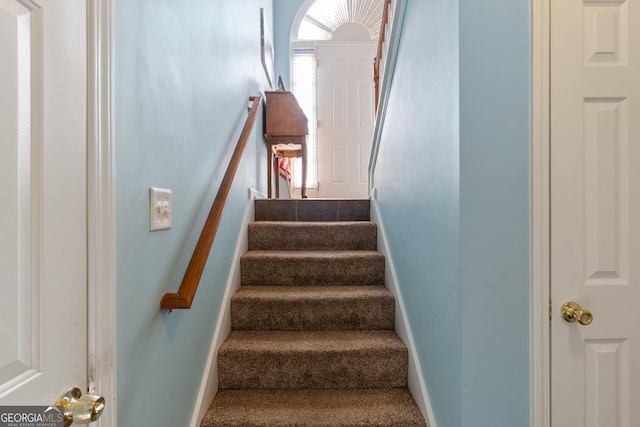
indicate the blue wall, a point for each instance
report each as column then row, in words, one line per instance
column 455, row 158
column 417, row 182
column 184, row 72
column 284, row 11
column 494, row 211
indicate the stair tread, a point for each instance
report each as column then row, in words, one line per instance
column 312, row 341
column 312, row 359
column 303, row 293
column 295, row 308
column 304, row 235
column 314, row 407
column 317, row 224
column 302, row 254
column 312, row 268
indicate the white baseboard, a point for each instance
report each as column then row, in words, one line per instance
column 416, row 382
column 209, row 385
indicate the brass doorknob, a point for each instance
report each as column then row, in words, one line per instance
column 572, row 312
column 79, row 409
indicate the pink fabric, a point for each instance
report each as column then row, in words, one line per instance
column 284, row 168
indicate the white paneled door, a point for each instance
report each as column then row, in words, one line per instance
column 43, row 182
column 595, row 212
column 345, row 119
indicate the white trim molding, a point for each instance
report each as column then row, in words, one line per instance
column 297, row 19
column 540, row 215
column 101, row 363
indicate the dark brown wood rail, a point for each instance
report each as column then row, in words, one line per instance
column 378, row 58
column 184, row 297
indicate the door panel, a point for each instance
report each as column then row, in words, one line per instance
column 15, row 227
column 345, row 119
column 339, row 164
column 595, row 211
column 43, row 224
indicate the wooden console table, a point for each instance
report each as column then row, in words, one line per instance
column 285, row 124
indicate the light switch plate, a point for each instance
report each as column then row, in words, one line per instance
column 160, row 207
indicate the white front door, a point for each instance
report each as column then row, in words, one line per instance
column 43, row 181
column 595, row 211
column 345, row 119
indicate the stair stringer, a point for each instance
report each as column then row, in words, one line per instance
column 416, row 383
column 209, row 384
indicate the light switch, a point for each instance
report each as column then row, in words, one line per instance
column 159, row 209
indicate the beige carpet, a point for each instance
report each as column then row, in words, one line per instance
column 312, row 340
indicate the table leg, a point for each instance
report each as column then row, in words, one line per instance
column 276, row 172
column 303, row 189
column 269, row 171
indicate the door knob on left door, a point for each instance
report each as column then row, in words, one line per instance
column 572, row 312
column 79, row 409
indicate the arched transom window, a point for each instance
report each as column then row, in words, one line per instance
column 338, row 19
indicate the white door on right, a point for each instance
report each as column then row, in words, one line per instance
column 345, row 97
column 595, row 212
column 43, row 182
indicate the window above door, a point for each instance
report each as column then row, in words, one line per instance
column 331, row 19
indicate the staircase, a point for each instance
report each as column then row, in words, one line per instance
column 312, row 340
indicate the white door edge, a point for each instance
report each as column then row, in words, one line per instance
column 101, row 208
column 540, row 372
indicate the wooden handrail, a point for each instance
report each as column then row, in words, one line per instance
column 378, row 58
column 184, row 297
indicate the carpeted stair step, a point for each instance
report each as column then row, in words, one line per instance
column 312, row 236
column 296, row 308
column 314, row 408
column 301, row 268
column 312, row 359
column 312, row 340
